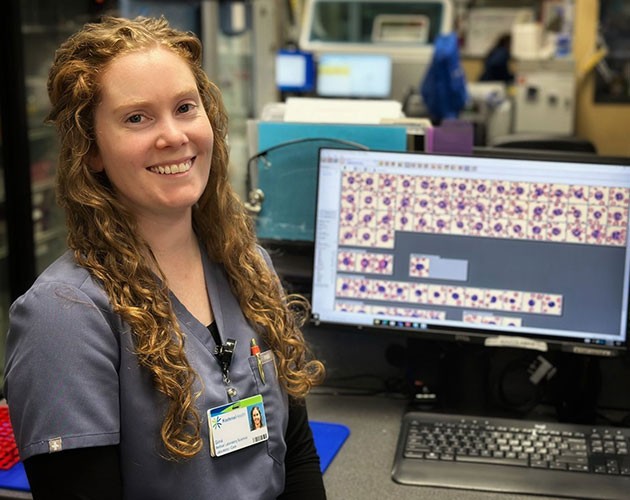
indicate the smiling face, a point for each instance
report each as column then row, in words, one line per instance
column 154, row 139
column 256, row 418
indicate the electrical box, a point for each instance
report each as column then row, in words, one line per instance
column 545, row 97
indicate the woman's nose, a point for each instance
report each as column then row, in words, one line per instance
column 171, row 134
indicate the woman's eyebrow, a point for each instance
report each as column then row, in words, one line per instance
column 140, row 103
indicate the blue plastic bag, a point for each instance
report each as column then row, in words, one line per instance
column 444, row 86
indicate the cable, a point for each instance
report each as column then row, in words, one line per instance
column 255, row 195
column 338, row 386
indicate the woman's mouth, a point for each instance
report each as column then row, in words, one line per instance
column 173, row 168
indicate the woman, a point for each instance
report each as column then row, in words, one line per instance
column 131, row 353
column 256, row 418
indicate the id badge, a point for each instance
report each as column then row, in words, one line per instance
column 237, row 425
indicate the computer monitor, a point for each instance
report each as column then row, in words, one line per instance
column 364, row 76
column 295, row 71
column 509, row 252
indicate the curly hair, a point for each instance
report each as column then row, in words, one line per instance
column 103, row 237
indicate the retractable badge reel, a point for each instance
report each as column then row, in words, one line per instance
column 224, row 354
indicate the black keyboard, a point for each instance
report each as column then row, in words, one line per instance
column 515, row 456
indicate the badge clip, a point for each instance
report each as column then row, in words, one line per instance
column 224, row 354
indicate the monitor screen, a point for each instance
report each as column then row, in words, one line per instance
column 510, row 252
column 354, row 76
column 295, row 71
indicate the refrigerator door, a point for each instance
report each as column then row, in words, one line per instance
column 44, row 26
column 32, row 228
column 16, row 236
column 4, row 278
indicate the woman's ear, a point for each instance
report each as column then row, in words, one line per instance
column 94, row 161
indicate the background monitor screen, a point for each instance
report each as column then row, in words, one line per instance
column 295, row 71
column 354, row 76
column 517, row 253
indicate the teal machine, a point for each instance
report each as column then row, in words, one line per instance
column 282, row 176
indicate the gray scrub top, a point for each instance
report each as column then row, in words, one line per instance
column 72, row 381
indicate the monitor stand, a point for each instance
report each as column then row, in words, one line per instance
column 472, row 379
column 446, row 376
column 575, row 392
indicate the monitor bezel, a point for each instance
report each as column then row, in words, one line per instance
column 472, row 335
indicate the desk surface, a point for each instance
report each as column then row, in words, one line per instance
column 362, row 468
column 14, row 495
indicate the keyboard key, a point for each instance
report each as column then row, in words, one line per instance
column 578, row 467
column 493, row 460
column 558, row 465
column 539, row 464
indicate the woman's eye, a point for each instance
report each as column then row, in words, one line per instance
column 135, row 119
column 185, row 108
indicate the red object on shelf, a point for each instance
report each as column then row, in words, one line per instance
column 8, row 450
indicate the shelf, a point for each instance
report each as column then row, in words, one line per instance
column 43, row 185
column 49, row 234
column 40, row 133
column 41, row 242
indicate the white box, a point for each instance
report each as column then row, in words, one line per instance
column 545, row 97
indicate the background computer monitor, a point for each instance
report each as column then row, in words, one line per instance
column 295, row 71
column 515, row 253
column 366, row 76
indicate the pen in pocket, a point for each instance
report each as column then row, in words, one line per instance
column 255, row 351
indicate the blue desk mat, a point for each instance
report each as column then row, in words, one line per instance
column 14, row 478
column 329, row 439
